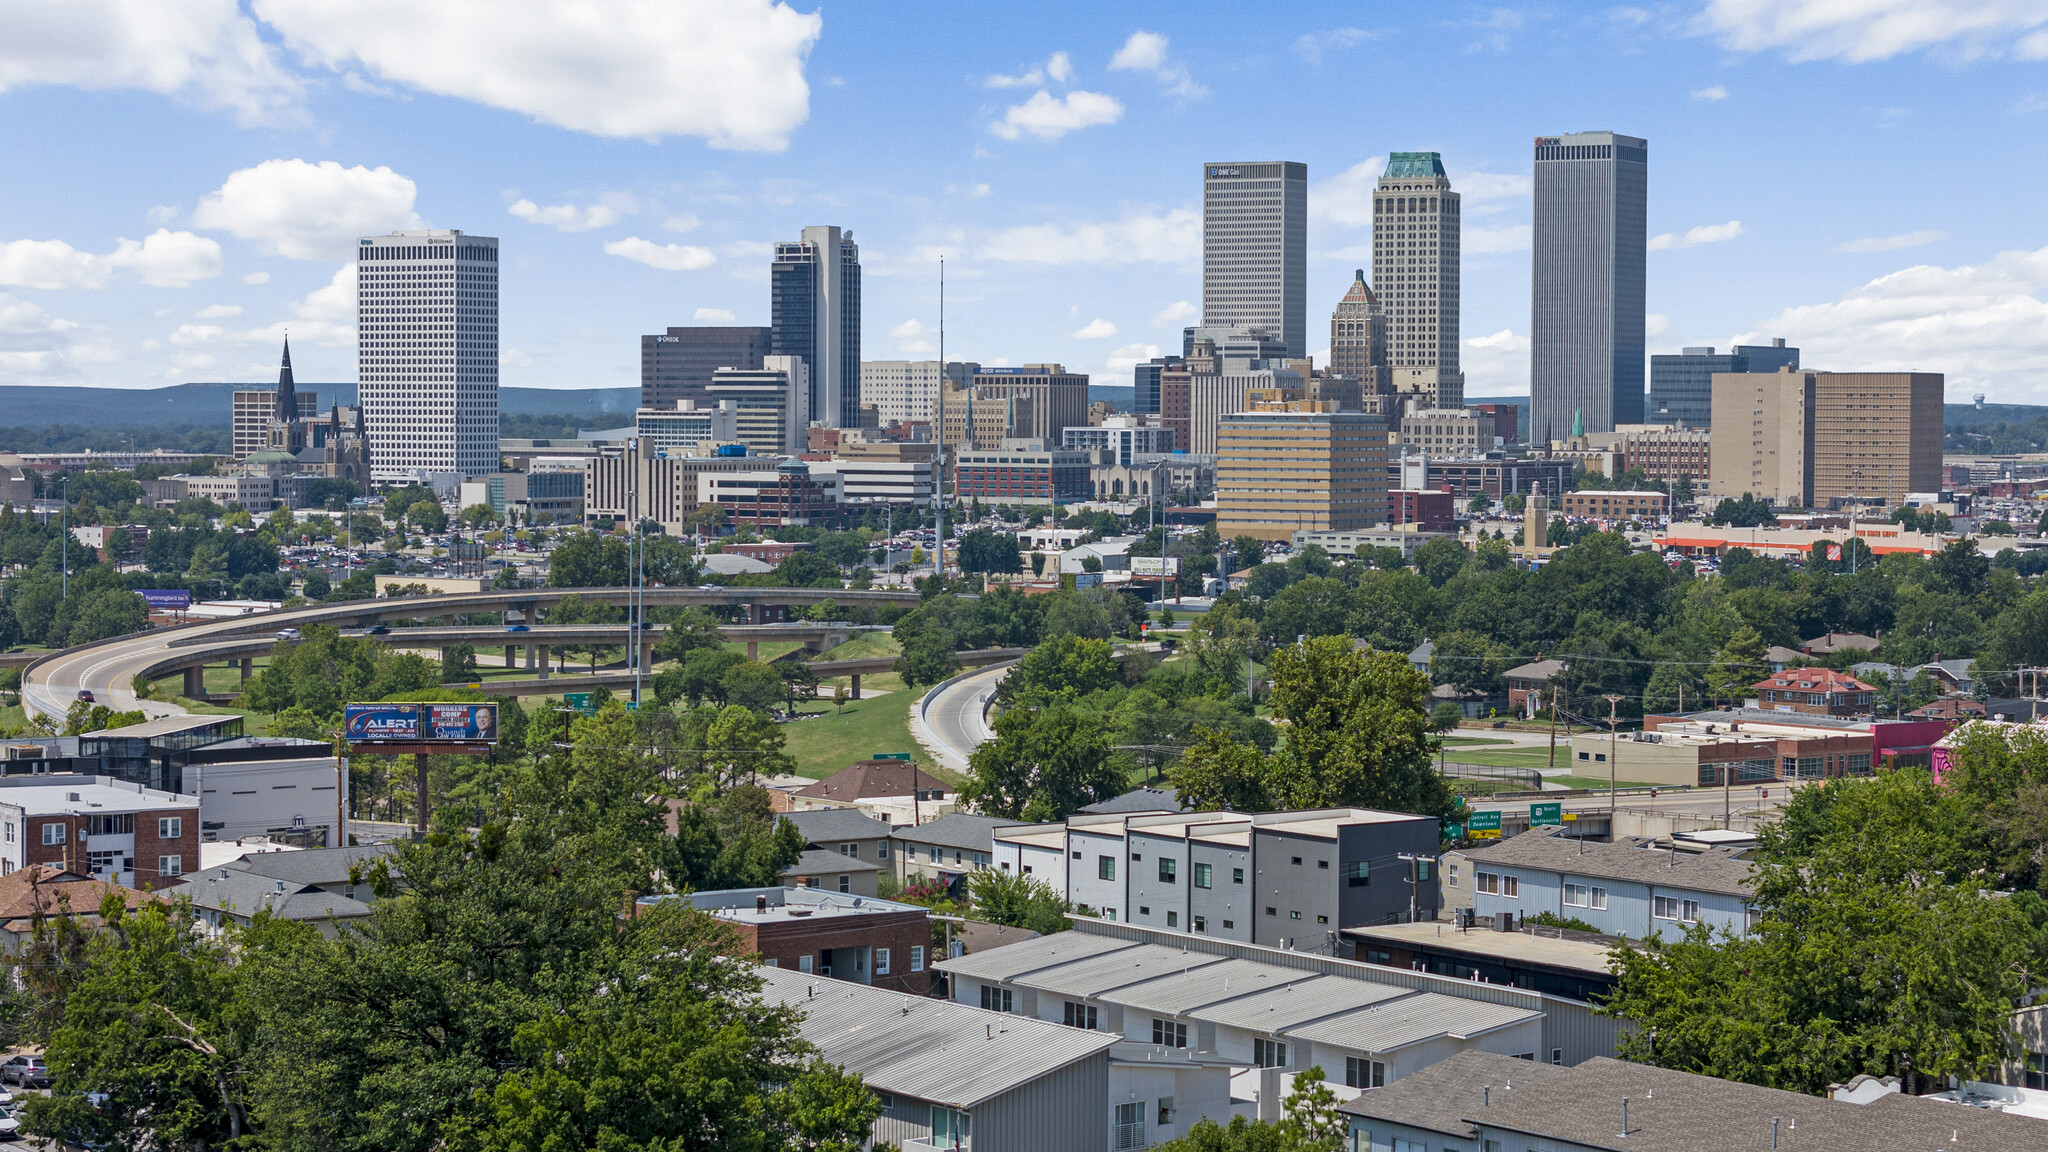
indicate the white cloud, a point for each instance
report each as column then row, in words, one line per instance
column 572, row 218
column 514, row 358
column 163, row 259
column 1891, row 243
column 1346, row 198
column 162, row 213
column 730, row 71
column 667, row 257
column 1985, row 326
column 1704, row 234
column 1717, row 92
column 1655, row 324
column 336, row 300
column 1096, row 329
column 1172, row 237
column 202, row 51
column 1311, row 46
column 913, row 338
column 1496, row 364
column 325, row 317
column 218, row 312
column 1050, row 118
column 1483, row 192
column 1481, row 241
column 255, row 277
column 1860, row 31
column 715, row 315
column 1131, row 355
column 1180, row 312
column 1146, row 52
column 680, row 222
column 1060, row 67
column 308, row 211
column 36, row 347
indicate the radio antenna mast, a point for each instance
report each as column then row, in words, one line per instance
column 939, row 432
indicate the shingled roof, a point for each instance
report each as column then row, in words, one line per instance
column 1714, row 870
column 866, row 779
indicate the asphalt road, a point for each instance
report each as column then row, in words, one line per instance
column 953, row 722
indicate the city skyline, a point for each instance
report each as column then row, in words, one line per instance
column 1054, row 168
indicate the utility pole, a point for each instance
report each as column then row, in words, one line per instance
column 1613, row 750
column 1553, row 723
column 939, row 430
column 64, row 534
column 1414, row 880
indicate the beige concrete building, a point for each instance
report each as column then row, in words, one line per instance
column 1300, row 466
column 1815, row 439
column 1447, row 431
column 660, row 488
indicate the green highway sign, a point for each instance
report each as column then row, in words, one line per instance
column 890, row 756
column 580, row 701
column 1484, row 822
column 1541, row 814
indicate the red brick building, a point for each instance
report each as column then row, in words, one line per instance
column 106, row 829
column 1430, row 511
column 1816, row 692
column 860, row 939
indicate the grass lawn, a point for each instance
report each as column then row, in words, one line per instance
column 12, row 716
column 1598, row 783
column 837, row 739
column 866, row 646
column 1513, row 758
column 1471, row 741
column 871, row 682
column 769, row 649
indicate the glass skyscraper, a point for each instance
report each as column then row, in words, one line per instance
column 814, row 300
column 1586, row 308
column 1255, row 249
column 1682, row 386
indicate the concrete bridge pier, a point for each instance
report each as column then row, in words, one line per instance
column 248, row 667
column 529, row 657
column 195, row 682
column 856, row 685
column 448, row 620
column 511, row 655
column 753, row 649
column 543, row 661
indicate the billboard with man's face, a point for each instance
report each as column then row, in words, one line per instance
column 420, row 723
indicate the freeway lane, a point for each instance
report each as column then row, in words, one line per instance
column 951, row 721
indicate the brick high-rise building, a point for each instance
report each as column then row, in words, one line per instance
column 1417, row 224
column 1824, row 439
column 1300, row 466
column 1358, row 339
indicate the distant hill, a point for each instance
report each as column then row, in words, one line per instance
column 213, row 403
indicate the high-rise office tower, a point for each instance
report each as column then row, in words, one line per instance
column 1804, row 439
column 1255, row 249
column 1416, row 227
column 677, row 365
column 903, row 391
column 815, row 299
column 1586, row 311
column 1358, row 338
column 1145, row 383
column 1682, row 386
column 427, row 353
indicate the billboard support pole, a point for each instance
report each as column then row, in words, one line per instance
column 419, row 763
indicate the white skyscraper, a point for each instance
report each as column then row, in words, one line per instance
column 1415, row 233
column 427, row 353
column 905, row 390
column 1255, row 249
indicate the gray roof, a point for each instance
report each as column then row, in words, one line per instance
column 817, row 860
column 1100, row 975
column 957, row 830
column 928, row 1049
column 241, row 895
column 1714, row 870
column 322, row 866
column 1670, row 1111
column 1538, row 670
column 733, row 564
column 833, row 825
column 1397, row 1023
column 1136, row 800
column 1180, row 992
column 1774, row 716
column 1297, row 1002
column 1031, row 955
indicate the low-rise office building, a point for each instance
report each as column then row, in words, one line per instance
column 1815, row 692
column 1299, row 466
column 1023, row 472
column 1627, row 888
column 1604, row 505
column 789, row 495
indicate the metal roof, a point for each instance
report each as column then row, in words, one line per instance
column 1031, row 955
column 932, row 1050
column 1310, row 997
column 1411, row 1020
column 1099, row 975
column 1176, row 993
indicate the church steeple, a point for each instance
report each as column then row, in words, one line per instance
column 287, row 393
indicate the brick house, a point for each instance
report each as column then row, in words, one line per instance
column 107, row 829
column 1814, row 691
column 860, row 939
column 1529, row 686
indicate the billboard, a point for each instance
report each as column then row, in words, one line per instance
column 420, row 723
column 166, row 599
column 1157, row 566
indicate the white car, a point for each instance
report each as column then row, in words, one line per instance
column 10, row 1124
column 287, row 633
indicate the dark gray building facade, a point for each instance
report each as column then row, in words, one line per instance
column 1145, row 382
column 677, row 365
column 1682, row 386
column 1587, row 293
column 814, row 298
column 1255, row 249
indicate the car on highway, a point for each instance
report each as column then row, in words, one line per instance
column 85, row 695
column 27, row 1071
column 287, row 633
column 377, row 630
column 516, row 628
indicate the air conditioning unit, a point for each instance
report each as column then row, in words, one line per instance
column 825, row 971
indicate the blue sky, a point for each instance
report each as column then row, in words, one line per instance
column 1863, row 177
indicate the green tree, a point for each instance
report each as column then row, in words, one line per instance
column 691, row 630
column 752, row 684
column 698, row 677
column 986, row 550
column 1017, row 900
column 458, row 664
column 1062, row 668
column 1740, row 664
column 1313, row 1122
column 927, row 658
column 1044, row 764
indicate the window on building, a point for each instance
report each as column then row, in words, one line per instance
column 2037, row 1071
column 1129, row 1130
column 1202, row 875
column 1689, row 910
column 1297, row 861
column 1294, row 914
column 804, row 964
column 997, row 999
column 1137, row 855
column 1168, row 870
column 917, row 957
column 1229, row 924
column 1599, row 898
column 1360, row 1073
column 1144, row 910
column 1268, row 1053
column 1109, row 914
column 1271, row 911
column 881, row 850
column 170, row 865
column 1486, row 882
column 1201, row 923
column 1358, row 874
column 1237, row 875
column 1452, row 871
column 1173, row 919
column 1664, row 907
column 1169, row 1034
column 1165, row 1111
column 949, row 1127
column 938, row 857
column 1511, row 886
column 1105, row 867
column 53, row 833
column 846, row 883
column 1079, row 1016
column 1575, row 895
